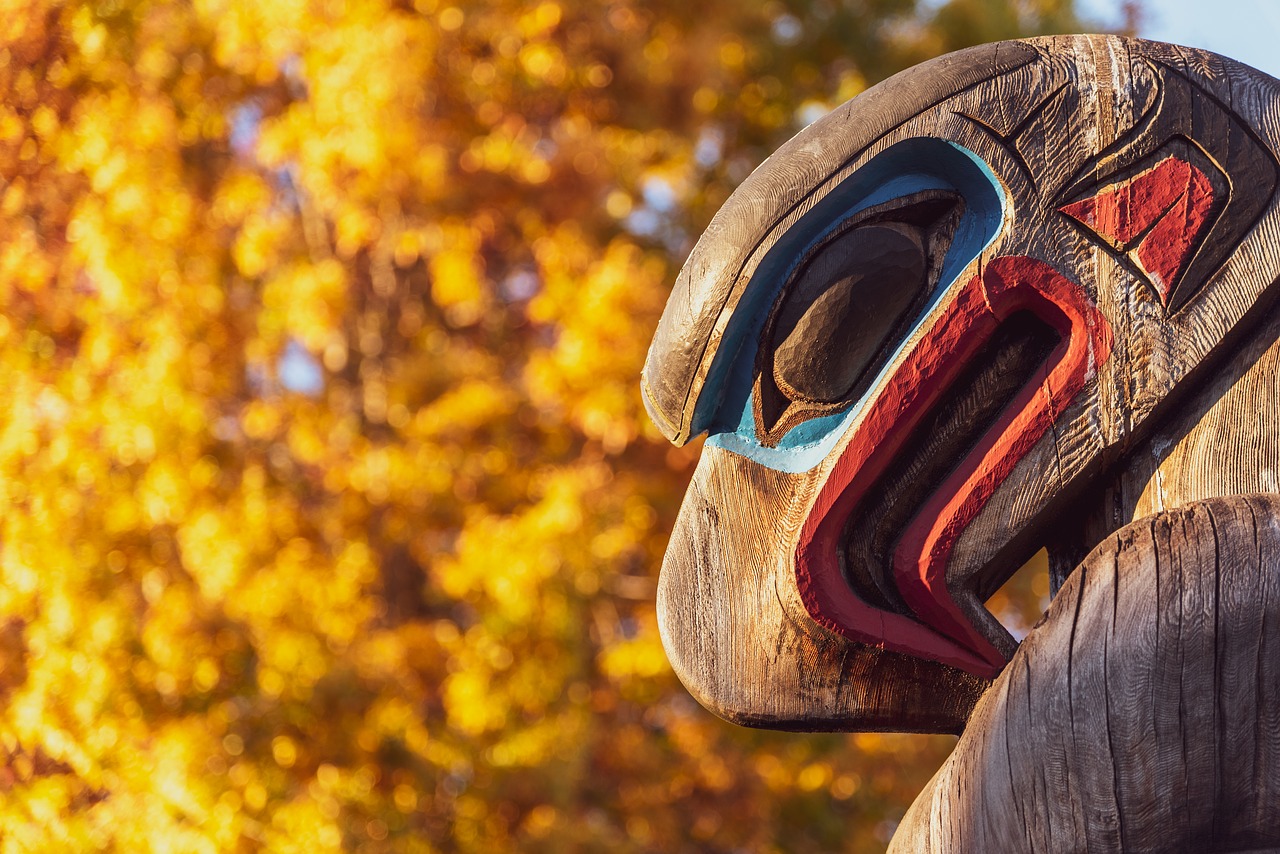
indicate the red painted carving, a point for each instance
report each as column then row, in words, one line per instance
column 1155, row 218
column 1006, row 286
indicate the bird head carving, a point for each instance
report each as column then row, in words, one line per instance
column 916, row 333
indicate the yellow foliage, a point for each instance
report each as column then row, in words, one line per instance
column 331, row 516
column 642, row 657
column 457, row 275
column 599, row 308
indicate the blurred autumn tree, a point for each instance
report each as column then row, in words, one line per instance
column 331, row 515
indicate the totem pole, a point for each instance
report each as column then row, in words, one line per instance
column 1022, row 296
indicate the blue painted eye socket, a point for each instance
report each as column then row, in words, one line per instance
column 912, row 168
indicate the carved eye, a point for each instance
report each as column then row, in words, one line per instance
column 843, row 306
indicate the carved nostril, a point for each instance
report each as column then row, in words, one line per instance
column 844, row 304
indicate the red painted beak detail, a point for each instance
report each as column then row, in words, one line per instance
column 1006, row 286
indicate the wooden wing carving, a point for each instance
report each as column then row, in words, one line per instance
column 917, row 332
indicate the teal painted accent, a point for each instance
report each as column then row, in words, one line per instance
column 903, row 169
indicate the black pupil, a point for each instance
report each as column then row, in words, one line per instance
column 842, row 307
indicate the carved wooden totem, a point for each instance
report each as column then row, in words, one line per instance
column 1016, row 297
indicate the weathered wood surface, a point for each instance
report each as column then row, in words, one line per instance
column 708, row 290
column 1222, row 439
column 733, row 509
column 1037, row 281
column 1144, row 714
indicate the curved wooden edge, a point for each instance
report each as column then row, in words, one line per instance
column 707, row 288
column 1143, row 713
column 732, row 613
column 738, row 636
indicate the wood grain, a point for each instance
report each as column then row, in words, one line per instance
column 756, row 658
column 709, row 287
column 1143, row 714
column 857, row 504
column 1159, row 350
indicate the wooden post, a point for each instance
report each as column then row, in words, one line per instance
column 1017, row 297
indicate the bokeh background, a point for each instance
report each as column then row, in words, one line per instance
column 331, row 516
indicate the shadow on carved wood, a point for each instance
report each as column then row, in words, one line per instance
column 1016, row 297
